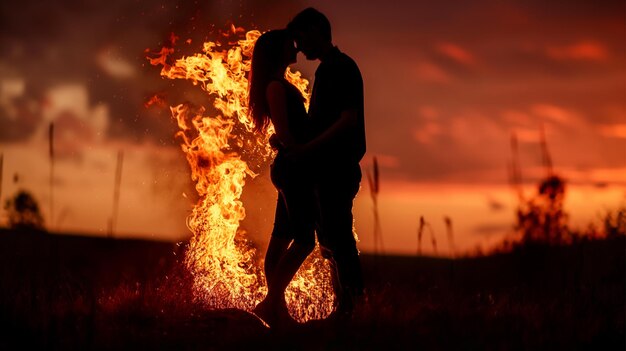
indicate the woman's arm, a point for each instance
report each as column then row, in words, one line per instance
column 277, row 103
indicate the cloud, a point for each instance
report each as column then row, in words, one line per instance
column 555, row 113
column 613, row 130
column 431, row 72
column 527, row 135
column 429, row 112
column 516, row 117
column 76, row 122
column 583, row 51
column 11, row 89
column 427, row 132
column 111, row 62
column 20, row 114
column 475, row 129
column 456, row 53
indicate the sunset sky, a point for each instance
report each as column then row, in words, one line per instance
column 446, row 85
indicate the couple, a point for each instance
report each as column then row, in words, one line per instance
column 316, row 170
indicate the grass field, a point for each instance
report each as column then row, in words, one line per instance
column 70, row 292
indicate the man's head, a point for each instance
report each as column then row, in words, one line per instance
column 311, row 30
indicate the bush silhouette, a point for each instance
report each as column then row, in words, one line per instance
column 23, row 211
column 542, row 219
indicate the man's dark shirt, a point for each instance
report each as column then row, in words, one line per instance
column 338, row 87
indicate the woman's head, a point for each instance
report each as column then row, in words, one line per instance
column 273, row 52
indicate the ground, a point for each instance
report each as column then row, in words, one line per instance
column 72, row 292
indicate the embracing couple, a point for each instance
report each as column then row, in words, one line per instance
column 316, row 169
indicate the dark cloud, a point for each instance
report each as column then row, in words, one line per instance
column 412, row 54
column 525, row 53
column 47, row 44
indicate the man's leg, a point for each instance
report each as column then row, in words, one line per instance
column 336, row 233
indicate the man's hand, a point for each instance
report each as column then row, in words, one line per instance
column 296, row 153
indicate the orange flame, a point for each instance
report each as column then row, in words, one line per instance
column 157, row 100
column 223, row 150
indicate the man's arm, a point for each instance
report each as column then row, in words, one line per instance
column 348, row 120
column 350, row 84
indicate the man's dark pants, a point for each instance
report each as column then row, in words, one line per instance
column 335, row 194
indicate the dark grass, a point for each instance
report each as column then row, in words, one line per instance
column 70, row 292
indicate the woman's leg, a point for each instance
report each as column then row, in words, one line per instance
column 287, row 267
column 280, row 239
column 299, row 205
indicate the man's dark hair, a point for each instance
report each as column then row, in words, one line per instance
column 308, row 19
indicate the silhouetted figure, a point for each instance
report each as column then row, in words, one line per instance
column 337, row 116
column 274, row 99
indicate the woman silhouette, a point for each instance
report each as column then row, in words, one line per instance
column 273, row 99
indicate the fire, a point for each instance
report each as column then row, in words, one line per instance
column 222, row 151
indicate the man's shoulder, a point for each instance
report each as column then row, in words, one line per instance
column 342, row 64
column 344, row 59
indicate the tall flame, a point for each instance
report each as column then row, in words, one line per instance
column 223, row 150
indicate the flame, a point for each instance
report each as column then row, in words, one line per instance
column 157, row 100
column 222, row 151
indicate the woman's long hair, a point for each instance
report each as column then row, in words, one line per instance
column 268, row 56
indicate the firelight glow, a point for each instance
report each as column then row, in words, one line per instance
column 222, row 151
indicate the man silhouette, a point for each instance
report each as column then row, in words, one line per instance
column 337, row 116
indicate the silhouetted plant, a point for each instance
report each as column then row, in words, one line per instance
column 23, row 211
column 615, row 223
column 420, row 231
column 541, row 219
column 450, row 233
column 374, row 184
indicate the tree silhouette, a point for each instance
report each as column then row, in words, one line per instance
column 23, row 211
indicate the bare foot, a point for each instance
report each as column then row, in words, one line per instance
column 274, row 314
column 264, row 311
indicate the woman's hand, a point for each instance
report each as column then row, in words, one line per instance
column 275, row 143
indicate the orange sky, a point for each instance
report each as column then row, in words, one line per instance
column 445, row 84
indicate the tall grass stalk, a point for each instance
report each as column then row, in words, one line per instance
column 116, row 191
column 374, row 185
column 420, row 231
column 1, row 173
column 51, row 155
column 515, row 172
column 450, row 233
column 545, row 154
